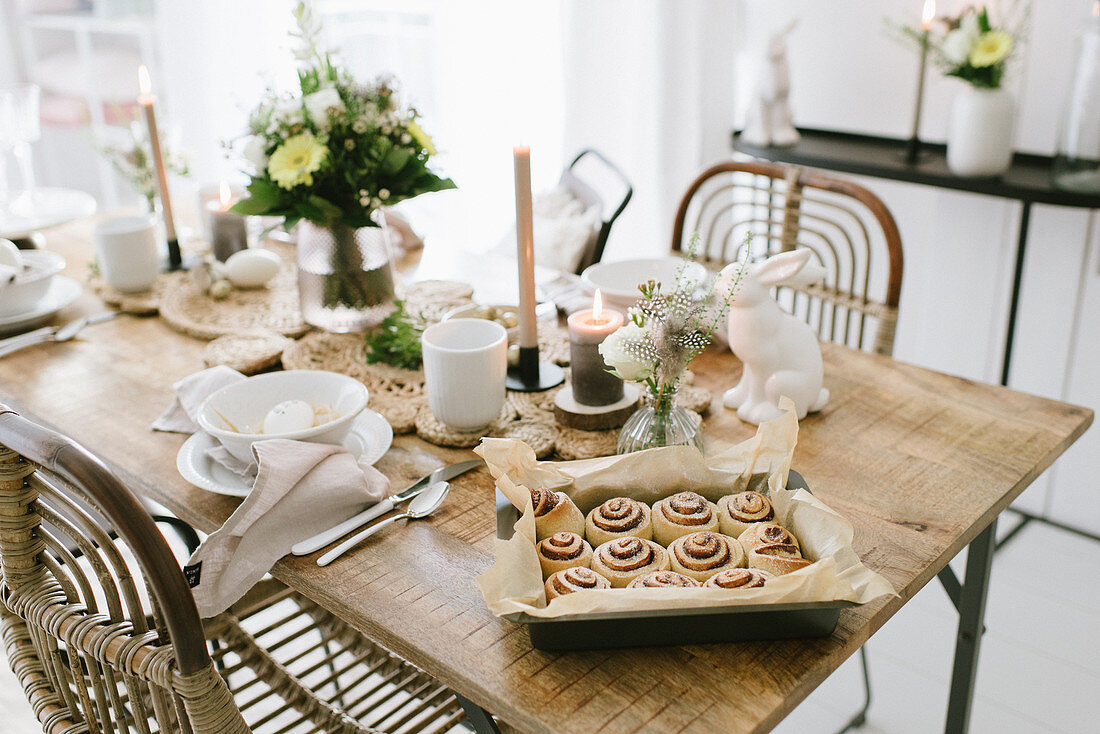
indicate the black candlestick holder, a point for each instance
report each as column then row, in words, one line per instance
column 531, row 375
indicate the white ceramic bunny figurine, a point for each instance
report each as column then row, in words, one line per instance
column 781, row 354
column 769, row 116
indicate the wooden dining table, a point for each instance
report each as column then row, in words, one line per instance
column 920, row 462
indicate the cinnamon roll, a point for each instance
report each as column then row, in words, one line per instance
column 683, row 514
column 738, row 578
column 737, row 512
column 573, row 579
column 624, row 559
column 617, row 518
column 701, row 555
column 561, row 551
column 555, row 513
column 662, row 580
column 772, row 548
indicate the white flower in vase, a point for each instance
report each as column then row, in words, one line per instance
column 255, row 152
column 956, row 46
column 321, row 104
column 628, row 351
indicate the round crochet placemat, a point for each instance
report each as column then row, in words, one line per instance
column 399, row 412
column 247, row 353
column 433, row 430
column 273, row 307
column 145, row 303
column 343, row 353
column 694, row 399
column 541, row 437
column 573, row 443
column 432, row 299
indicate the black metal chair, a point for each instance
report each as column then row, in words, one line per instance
column 591, row 177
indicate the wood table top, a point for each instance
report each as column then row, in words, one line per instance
column 920, row 462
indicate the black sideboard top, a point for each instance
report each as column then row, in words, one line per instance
column 1028, row 179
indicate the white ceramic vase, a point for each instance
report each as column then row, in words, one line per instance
column 979, row 138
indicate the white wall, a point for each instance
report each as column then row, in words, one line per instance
column 850, row 73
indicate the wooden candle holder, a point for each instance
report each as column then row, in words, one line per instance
column 594, row 417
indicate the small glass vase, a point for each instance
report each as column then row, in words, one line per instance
column 345, row 275
column 659, row 422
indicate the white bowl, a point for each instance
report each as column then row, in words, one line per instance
column 244, row 405
column 618, row 281
column 29, row 286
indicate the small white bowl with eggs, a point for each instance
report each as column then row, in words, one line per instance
column 300, row 405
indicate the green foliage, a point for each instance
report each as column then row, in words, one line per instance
column 372, row 154
column 396, row 340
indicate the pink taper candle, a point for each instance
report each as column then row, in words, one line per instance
column 525, row 246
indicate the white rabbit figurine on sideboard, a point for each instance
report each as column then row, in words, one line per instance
column 781, row 354
column 769, row 114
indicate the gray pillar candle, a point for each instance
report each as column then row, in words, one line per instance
column 592, row 385
column 228, row 233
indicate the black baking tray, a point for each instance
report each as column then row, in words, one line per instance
column 687, row 626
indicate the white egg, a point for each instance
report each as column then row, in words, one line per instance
column 287, row 416
column 10, row 255
column 252, row 268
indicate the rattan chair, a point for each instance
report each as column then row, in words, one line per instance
column 850, row 231
column 103, row 634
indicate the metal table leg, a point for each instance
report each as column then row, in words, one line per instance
column 972, row 600
column 478, row 717
column 1017, row 282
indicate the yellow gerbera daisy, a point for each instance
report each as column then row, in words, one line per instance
column 990, row 48
column 421, row 137
column 296, row 160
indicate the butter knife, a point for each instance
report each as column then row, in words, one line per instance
column 442, row 474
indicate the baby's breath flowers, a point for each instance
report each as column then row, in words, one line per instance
column 665, row 331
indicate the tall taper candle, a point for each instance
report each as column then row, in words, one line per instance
column 146, row 100
column 525, row 247
column 927, row 16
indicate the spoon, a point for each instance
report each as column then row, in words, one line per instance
column 422, row 506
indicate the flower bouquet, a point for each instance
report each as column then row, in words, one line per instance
column 331, row 154
column 663, row 333
column 971, row 47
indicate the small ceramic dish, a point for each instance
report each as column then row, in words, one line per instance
column 618, row 281
column 32, row 283
column 243, row 405
column 504, row 314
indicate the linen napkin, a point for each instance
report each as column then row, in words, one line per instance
column 191, row 391
column 301, row 489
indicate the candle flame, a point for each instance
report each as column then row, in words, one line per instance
column 144, row 84
column 225, row 194
column 928, row 14
column 597, row 305
column 1096, row 9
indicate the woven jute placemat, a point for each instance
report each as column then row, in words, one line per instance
column 144, row 303
column 248, row 353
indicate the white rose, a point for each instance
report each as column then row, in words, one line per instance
column 621, row 351
column 287, row 112
column 321, row 103
column 956, row 46
column 968, row 25
column 254, row 153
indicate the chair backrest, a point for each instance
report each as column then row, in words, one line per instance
column 596, row 181
column 95, row 648
column 849, row 230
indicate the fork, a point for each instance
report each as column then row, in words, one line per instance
column 53, row 333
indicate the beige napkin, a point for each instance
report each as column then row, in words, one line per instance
column 191, row 391
column 301, row 489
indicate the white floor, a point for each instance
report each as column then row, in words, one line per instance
column 1040, row 658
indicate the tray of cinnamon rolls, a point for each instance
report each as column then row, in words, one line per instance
column 684, row 540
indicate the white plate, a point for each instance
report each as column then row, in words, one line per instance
column 49, row 207
column 369, row 438
column 618, row 280
column 61, row 293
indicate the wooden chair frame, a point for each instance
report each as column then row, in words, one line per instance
column 787, row 223
column 120, row 665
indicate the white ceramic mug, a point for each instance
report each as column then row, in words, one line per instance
column 465, row 361
column 126, row 249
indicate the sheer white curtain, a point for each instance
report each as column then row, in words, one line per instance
column 650, row 83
